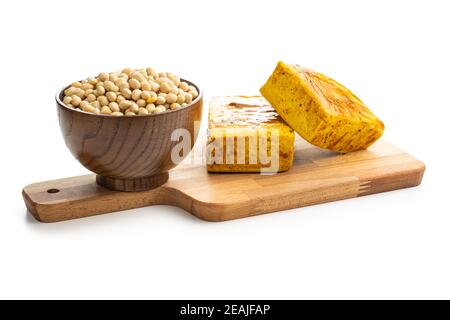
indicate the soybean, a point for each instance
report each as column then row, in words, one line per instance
column 130, row 92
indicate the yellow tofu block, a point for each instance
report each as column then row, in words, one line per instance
column 246, row 134
column 321, row 110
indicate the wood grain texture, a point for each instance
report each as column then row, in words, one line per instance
column 317, row 176
column 129, row 153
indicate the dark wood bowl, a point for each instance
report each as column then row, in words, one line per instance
column 128, row 153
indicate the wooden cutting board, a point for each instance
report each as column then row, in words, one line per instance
column 317, row 176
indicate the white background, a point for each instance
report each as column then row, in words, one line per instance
column 393, row 54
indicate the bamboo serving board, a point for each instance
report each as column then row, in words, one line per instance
column 317, row 176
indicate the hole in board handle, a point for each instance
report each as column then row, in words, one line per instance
column 52, row 190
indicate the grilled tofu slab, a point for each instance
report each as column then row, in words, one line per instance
column 321, row 110
column 246, row 134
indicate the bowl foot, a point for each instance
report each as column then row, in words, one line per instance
column 133, row 185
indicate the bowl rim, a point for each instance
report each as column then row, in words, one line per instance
column 197, row 99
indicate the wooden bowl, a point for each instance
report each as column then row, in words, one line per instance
column 128, row 153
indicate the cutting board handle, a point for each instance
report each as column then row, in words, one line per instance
column 79, row 197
